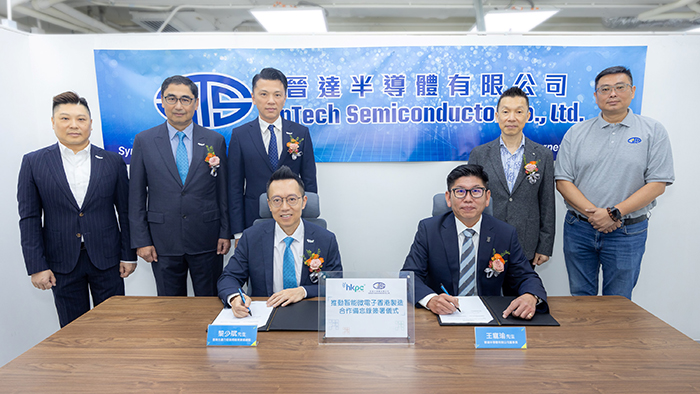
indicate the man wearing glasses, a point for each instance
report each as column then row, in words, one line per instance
column 178, row 198
column 522, row 172
column 467, row 253
column 284, row 257
column 610, row 170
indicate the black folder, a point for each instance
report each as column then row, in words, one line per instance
column 300, row 316
column 496, row 305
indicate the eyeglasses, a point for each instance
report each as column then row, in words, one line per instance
column 292, row 201
column 619, row 88
column 476, row 192
column 172, row 100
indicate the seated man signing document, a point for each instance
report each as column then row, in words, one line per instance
column 471, row 253
column 283, row 258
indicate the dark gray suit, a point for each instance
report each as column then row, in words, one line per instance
column 530, row 207
column 179, row 220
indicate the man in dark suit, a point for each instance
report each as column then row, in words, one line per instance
column 282, row 258
column 471, row 253
column 81, row 246
column 177, row 196
column 255, row 152
column 523, row 188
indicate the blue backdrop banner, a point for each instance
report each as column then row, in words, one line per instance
column 368, row 103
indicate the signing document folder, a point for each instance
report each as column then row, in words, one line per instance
column 473, row 311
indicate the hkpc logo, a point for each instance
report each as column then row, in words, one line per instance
column 355, row 288
column 223, row 100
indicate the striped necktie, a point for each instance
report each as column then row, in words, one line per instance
column 467, row 265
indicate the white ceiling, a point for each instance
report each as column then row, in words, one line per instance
column 121, row 16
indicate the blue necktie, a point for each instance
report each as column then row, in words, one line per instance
column 288, row 271
column 272, row 149
column 467, row 266
column 183, row 165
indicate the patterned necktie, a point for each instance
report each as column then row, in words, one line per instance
column 467, row 266
column 288, row 271
column 183, row 164
column 272, row 149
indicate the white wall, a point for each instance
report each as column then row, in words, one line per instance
column 373, row 208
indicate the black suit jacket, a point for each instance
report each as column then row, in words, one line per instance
column 250, row 168
column 434, row 258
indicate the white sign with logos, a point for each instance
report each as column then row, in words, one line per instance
column 366, row 308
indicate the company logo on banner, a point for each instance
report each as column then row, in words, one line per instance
column 223, row 100
column 369, row 104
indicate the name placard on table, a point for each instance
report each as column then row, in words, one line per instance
column 499, row 337
column 239, row 335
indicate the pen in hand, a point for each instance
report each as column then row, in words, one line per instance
column 240, row 292
column 448, row 293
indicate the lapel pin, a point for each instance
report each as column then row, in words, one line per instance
column 200, row 143
column 98, row 157
column 488, row 239
column 310, row 241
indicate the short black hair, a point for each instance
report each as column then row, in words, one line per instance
column 271, row 74
column 513, row 91
column 179, row 80
column 467, row 170
column 283, row 173
column 614, row 70
column 69, row 98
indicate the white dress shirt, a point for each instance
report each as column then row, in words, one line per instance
column 77, row 169
column 266, row 134
column 460, row 237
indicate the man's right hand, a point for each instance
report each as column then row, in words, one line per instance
column 148, row 253
column 239, row 309
column 443, row 304
column 43, row 280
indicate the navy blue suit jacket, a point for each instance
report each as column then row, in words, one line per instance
column 434, row 258
column 250, row 168
column 54, row 242
column 177, row 219
column 254, row 256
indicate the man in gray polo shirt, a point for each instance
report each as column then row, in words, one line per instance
column 610, row 170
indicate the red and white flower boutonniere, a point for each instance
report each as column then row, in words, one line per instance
column 497, row 264
column 315, row 262
column 213, row 160
column 293, row 147
column 531, row 171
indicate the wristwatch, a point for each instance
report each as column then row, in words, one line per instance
column 614, row 214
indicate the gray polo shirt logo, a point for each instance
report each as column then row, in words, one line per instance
column 634, row 140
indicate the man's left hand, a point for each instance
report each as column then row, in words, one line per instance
column 522, row 307
column 286, row 297
column 125, row 269
column 539, row 259
column 223, row 246
column 600, row 219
